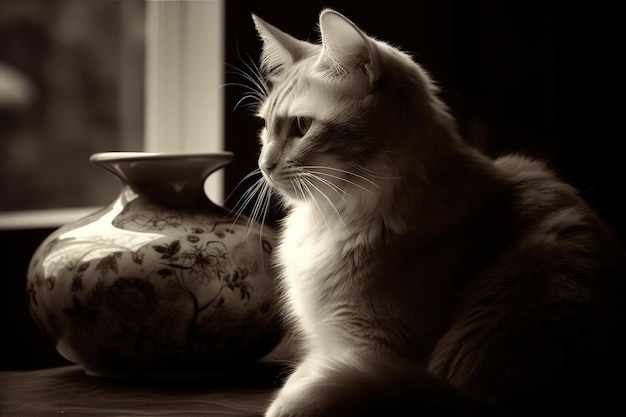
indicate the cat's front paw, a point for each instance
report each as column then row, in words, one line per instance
column 300, row 403
column 283, row 408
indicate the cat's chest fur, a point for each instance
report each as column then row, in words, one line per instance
column 346, row 289
column 319, row 288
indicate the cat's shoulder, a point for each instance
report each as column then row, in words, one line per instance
column 538, row 188
column 520, row 167
column 533, row 176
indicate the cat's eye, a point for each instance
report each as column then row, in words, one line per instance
column 302, row 124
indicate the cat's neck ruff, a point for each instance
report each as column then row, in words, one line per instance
column 360, row 216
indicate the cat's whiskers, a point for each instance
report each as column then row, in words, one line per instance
column 304, row 186
column 256, row 86
column 259, row 210
column 373, row 175
column 253, row 74
column 246, row 198
column 251, row 174
column 248, row 96
column 308, row 184
column 337, row 189
column 259, row 192
column 266, row 197
column 319, row 170
column 298, row 187
column 345, row 172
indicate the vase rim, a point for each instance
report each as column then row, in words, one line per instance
column 123, row 156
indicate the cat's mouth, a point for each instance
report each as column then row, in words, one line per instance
column 271, row 178
column 286, row 185
column 273, row 184
column 281, row 183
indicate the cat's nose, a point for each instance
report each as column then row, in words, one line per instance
column 268, row 167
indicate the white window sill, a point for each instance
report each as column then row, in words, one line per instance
column 42, row 219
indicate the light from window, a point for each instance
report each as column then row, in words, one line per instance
column 71, row 84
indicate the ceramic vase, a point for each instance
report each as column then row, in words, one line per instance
column 162, row 281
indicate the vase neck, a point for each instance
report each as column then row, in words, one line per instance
column 172, row 179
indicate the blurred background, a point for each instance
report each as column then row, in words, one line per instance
column 78, row 77
column 71, row 84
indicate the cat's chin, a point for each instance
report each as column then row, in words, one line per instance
column 290, row 197
column 277, row 186
column 287, row 190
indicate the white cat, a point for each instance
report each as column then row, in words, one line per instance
column 422, row 277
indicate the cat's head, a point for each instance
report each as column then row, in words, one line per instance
column 346, row 119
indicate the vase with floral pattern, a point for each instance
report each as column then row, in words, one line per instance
column 162, row 281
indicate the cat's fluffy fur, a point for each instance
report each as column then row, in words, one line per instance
column 419, row 274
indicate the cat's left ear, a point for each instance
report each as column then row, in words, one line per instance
column 279, row 48
column 346, row 47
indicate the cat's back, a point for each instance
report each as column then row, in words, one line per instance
column 551, row 302
column 559, row 245
column 551, row 214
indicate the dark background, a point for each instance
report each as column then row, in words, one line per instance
column 542, row 78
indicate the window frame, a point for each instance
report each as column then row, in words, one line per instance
column 179, row 35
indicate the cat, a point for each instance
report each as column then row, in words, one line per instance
column 420, row 276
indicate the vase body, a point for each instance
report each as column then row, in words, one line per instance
column 162, row 280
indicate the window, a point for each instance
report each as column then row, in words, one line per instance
column 81, row 77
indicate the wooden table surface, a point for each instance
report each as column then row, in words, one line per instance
column 68, row 391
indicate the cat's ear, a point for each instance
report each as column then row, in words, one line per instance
column 279, row 48
column 346, row 47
